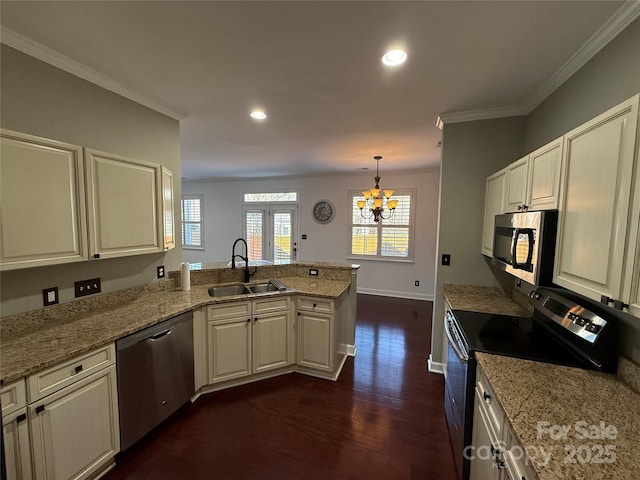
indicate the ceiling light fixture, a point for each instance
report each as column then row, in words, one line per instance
column 375, row 199
column 258, row 115
column 394, row 58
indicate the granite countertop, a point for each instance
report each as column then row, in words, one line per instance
column 476, row 298
column 532, row 392
column 34, row 343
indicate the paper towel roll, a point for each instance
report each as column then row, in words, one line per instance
column 185, row 276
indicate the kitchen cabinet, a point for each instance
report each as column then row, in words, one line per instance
column 315, row 333
column 493, row 205
column 599, row 206
column 533, row 182
column 168, row 222
column 124, row 207
column 15, row 431
column 245, row 338
column 74, row 430
column 42, row 199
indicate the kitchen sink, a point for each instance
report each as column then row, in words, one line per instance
column 263, row 287
column 229, row 290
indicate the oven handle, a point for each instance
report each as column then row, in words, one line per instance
column 464, row 358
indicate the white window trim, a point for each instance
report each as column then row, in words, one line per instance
column 191, row 196
column 412, row 228
column 275, row 190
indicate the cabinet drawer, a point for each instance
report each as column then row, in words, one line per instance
column 489, row 402
column 314, row 304
column 271, row 305
column 230, row 310
column 13, row 397
column 48, row 381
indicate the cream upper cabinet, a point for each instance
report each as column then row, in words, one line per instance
column 124, row 205
column 597, row 205
column 169, row 240
column 543, row 181
column 517, row 176
column 42, row 201
column 493, row 205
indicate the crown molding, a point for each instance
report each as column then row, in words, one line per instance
column 48, row 55
column 482, row 114
column 620, row 20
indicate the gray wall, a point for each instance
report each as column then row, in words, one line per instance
column 42, row 100
column 471, row 152
column 223, row 224
column 611, row 76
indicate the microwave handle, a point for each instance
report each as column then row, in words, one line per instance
column 514, row 246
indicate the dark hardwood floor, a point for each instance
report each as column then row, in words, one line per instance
column 382, row 419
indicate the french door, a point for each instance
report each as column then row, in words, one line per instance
column 270, row 231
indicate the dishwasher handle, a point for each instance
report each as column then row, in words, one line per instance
column 159, row 335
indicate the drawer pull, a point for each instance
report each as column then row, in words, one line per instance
column 40, row 408
column 21, row 418
column 248, row 319
column 314, row 305
column 78, row 368
column 486, row 396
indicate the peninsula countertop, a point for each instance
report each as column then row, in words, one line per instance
column 32, row 342
column 539, row 399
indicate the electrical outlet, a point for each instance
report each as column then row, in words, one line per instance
column 417, row 283
column 50, row 296
column 87, row 287
column 160, row 269
column 313, row 272
column 446, row 259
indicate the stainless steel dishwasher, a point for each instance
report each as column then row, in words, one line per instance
column 155, row 375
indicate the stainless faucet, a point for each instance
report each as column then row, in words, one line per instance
column 247, row 274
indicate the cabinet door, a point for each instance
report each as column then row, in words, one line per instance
column 493, row 205
column 483, row 464
column 270, row 341
column 17, row 450
column 314, row 347
column 543, row 185
column 594, row 220
column 517, row 176
column 229, row 349
column 167, row 210
column 42, row 198
column 124, row 211
column 75, row 430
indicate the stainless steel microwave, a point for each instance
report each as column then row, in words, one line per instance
column 524, row 245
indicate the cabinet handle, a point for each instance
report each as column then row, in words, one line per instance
column 298, row 313
column 255, row 319
column 21, row 418
column 78, row 368
column 619, row 304
column 520, row 207
column 96, row 255
column 248, row 319
column 486, row 396
column 40, row 408
column 314, row 305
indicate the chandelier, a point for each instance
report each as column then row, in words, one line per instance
column 378, row 202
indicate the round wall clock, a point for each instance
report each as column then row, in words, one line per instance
column 323, row 211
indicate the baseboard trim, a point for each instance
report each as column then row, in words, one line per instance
column 435, row 367
column 390, row 293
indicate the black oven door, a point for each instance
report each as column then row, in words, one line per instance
column 458, row 401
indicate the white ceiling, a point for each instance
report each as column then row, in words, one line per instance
column 315, row 68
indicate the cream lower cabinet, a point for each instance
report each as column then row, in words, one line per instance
column 75, row 429
column 245, row 338
column 315, row 333
column 599, row 206
column 42, row 199
column 15, row 431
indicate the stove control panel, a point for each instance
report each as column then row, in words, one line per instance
column 567, row 313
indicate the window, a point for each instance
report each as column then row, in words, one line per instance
column 271, row 197
column 388, row 239
column 192, row 232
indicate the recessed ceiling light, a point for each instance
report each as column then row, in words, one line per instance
column 394, row 57
column 258, row 115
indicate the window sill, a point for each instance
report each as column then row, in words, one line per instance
column 379, row 259
column 184, row 247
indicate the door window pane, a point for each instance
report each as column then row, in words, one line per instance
column 254, row 228
column 282, row 230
